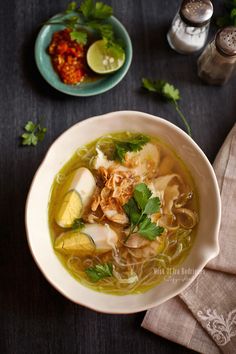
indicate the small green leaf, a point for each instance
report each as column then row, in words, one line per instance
column 34, row 133
column 102, row 11
column 41, row 133
column 170, row 92
column 132, row 211
column 233, row 13
column 149, row 85
column 134, row 144
column 72, row 6
column 150, row 230
column 79, row 36
column 99, row 272
column 152, row 206
column 141, row 195
column 29, row 139
column 87, row 8
column 30, row 126
column 78, row 224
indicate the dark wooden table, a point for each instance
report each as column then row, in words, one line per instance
column 35, row 318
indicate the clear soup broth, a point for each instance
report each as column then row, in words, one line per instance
column 123, row 211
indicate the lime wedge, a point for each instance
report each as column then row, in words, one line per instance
column 103, row 60
column 70, row 209
column 74, row 243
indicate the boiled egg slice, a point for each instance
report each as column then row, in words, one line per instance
column 78, row 192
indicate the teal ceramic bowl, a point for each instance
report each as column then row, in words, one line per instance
column 103, row 84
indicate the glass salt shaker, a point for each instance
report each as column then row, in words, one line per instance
column 189, row 29
column 218, row 61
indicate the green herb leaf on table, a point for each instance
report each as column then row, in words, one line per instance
column 34, row 133
column 78, row 224
column 72, row 6
column 138, row 210
column 229, row 19
column 168, row 92
column 99, row 272
column 132, row 145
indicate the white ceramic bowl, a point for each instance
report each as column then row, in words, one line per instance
column 205, row 246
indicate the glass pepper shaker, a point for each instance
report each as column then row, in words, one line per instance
column 189, row 29
column 218, row 61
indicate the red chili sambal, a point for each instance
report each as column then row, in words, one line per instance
column 68, row 57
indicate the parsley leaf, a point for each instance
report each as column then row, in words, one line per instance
column 78, row 224
column 97, row 10
column 170, row 93
column 79, row 36
column 152, row 206
column 102, row 11
column 132, row 211
column 34, row 134
column 72, row 6
column 133, row 144
column 99, row 272
column 150, row 230
column 149, row 85
column 141, row 195
column 138, row 208
column 87, row 8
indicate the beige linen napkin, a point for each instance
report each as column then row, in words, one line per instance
column 203, row 317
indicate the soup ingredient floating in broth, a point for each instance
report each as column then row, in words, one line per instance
column 138, row 208
column 74, row 242
column 90, row 237
column 99, row 272
column 133, row 144
column 78, row 191
column 85, row 24
column 122, row 213
column 168, row 92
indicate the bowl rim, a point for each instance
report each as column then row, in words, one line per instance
column 204, row 260
column 128, row 60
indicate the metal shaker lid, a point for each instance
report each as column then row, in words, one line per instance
column 196, row 13
column 226, row 41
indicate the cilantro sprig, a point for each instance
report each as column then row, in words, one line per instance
column 93, row 15
column 169, row 93
column 229, row 19
column 99, row 272
column 138, row 210
column 34, row 133
column 133, row 144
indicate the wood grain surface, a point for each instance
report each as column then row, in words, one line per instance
column 35, row 318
